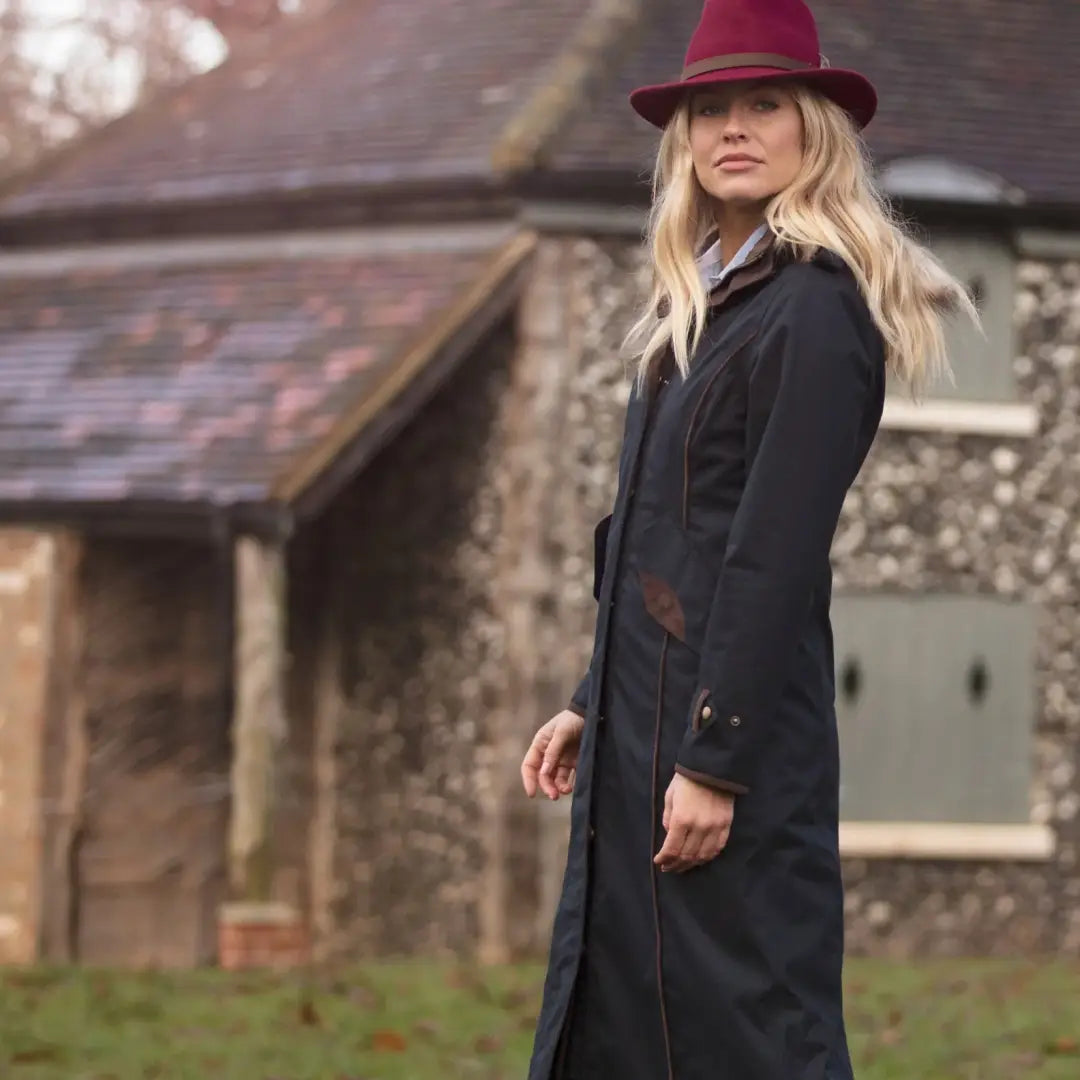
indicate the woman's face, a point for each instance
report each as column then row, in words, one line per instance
column 747, row 141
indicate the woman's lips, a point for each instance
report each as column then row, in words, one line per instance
column 738, row 165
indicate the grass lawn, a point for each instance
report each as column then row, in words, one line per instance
column 955, row 1020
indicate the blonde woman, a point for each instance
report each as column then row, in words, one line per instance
column 700, row 930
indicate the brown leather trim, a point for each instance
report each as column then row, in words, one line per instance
column 728, row 786
column 652, row 853
column 693, row 420
column 741, row 60
column 663, row 604
column 575, row 710
column 760, row 264
column 695, row 711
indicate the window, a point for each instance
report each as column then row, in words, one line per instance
column 983, row 367
column 935, row 701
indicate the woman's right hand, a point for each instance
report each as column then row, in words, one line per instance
column 552, row 758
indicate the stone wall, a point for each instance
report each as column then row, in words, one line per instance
column 998, row 517
column 26, row 560
column 931, row 511
column 410, row 679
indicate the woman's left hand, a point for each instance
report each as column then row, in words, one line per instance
column 698, row 820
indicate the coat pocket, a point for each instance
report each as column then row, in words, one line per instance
column 677, row 584
column 600, row 538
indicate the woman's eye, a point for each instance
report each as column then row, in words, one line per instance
column 766, row 105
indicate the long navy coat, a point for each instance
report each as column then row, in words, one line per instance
column 713, row 657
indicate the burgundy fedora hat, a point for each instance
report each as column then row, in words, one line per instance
column 756, row 39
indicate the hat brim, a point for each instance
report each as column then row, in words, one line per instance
column 851, row 91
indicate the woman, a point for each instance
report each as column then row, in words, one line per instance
column 700, row 930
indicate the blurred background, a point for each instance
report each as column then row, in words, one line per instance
column 310, row 398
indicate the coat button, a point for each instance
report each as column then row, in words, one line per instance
column 735, row 721
column 706, row 713
column 592, row 832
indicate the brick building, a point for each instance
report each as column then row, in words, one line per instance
column 311, row 396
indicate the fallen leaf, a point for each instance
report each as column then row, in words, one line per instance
column 487, row 1044
column 34, row 1056
column 388, row 1042
column 1065, row 1044
column 309, row 1016
column 513, row 1000
column 427, row 1029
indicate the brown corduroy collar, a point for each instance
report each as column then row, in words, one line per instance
column 761, row 263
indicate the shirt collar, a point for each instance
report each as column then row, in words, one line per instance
column 710, row 262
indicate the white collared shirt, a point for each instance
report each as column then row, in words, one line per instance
column 710, row 262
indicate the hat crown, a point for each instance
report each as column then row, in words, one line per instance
column 732, row 27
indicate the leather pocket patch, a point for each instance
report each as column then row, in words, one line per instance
column 663, row 604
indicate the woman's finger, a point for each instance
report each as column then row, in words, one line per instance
column 691, row 853
column 668, row 856
column 532, row 762
column 564, row 779
column 552, row 754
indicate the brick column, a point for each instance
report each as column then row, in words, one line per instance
column 26, row 586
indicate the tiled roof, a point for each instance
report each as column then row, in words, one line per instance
column 990, row 84
column 380, row 91
column 226, row 383
column 375, row 91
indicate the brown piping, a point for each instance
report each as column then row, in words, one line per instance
column 652, row 865
column 739, row 60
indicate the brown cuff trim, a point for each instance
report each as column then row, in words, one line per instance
column 575, row 708
column 711, row 781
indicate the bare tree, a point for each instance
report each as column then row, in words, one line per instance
column 23, row 120
column 60, row 77
column 236, row 19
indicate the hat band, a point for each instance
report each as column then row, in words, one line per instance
column 744, row 60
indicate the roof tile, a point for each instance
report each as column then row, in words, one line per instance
column 989, row 84
column 199, row 382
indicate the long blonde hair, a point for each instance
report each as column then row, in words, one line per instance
column 834, row 204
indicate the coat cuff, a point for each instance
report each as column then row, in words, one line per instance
column 728, row 786
column 574, row 707
column 714, row 750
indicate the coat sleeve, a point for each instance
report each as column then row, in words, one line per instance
column 579, row 700
column 807, row 396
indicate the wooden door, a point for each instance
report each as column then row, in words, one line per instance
column 150, row 859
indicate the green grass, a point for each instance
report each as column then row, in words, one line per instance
column 955, row 1020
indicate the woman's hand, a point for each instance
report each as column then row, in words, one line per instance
column 698, row 820
column 552, row 757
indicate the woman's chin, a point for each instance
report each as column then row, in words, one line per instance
column 741, row 195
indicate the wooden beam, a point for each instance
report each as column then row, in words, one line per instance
column 259, row 727
column 67, row 746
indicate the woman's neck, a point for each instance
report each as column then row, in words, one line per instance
column 735, row 228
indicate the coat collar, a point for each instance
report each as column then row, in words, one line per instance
column 762, row 262
column 766, row 259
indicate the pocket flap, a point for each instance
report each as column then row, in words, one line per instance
column 677, row 584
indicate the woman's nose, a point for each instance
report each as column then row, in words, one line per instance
column 734, row 128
